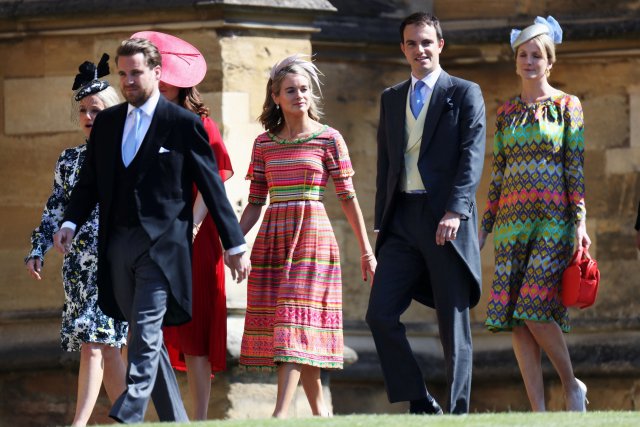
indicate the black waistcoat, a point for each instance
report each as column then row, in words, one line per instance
column 125, row 210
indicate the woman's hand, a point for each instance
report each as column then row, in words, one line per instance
column 368, row 264
column 34, row 267
column 581, row 234
column 239, row 264
column 482, row 238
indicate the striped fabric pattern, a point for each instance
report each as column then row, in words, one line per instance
column 535, row 197
column 294, row 294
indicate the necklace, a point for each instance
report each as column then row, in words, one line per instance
column 304, row 136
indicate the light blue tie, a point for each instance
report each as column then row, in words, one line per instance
column 417, row 100
column 133, row 139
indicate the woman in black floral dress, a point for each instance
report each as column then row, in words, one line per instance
column 85, row 328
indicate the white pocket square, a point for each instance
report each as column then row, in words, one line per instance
column 163, row 150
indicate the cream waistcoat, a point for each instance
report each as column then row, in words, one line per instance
column 413, row 127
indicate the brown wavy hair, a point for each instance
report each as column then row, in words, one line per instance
column 190, row 98
column 271, row 118
column 150, row 52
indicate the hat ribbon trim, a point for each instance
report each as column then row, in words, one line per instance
column 182, row 56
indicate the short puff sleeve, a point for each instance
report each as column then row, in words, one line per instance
column 258, row 190
column 339, row 166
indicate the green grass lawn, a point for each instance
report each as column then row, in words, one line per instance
column 514, row 419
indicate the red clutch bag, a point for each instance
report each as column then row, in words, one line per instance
column 580, row 280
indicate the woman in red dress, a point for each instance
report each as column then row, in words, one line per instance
column 198, row 347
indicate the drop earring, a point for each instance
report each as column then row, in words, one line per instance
column 277, row 106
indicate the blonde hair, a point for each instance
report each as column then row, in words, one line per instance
column 109, row 97
column 545, row 43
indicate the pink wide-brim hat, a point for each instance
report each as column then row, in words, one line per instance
column 182, row 64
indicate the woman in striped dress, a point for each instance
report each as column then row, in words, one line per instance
column 294, row 296
column 535, row 208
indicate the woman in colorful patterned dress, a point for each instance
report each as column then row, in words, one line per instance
column 294, row 296
column 85, row 328
column 535, row 208
column 198, row 347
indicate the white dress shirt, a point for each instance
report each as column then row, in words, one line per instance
column 429, row 83
column 147, row 109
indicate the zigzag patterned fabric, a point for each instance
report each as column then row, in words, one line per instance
column 294, row 294
column 535, row 197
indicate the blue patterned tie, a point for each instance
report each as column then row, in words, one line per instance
column 417, row 100
column 133, row 138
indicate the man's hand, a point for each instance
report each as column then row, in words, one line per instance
column 34, row 266
column 239, row 264
column 62, row 239
column 447, row 228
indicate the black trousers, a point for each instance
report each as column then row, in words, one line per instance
column 407, row 259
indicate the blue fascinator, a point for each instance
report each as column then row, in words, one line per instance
column 540, row 26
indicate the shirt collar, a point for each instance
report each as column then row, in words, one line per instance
column 149, row 107
column 429, row 80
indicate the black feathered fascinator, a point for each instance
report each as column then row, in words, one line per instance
column 87, row 79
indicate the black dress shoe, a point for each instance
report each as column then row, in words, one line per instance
column 427, row 405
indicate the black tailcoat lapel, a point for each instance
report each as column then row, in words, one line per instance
column 159, row 129
column 441, row 92
column 111, row 153
column 398, row 119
